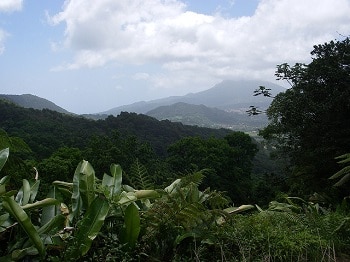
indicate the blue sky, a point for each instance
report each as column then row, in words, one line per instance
column 89, row 56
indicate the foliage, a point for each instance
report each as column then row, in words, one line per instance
column 309, row 122
column 19, row 220
column 344, row 172
column 185, row 214
column 93, row 201
column 227, row 162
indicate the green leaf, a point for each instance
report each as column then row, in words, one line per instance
column 343, row 180
column 87, row 183
column 3, row 182
column 91, row 223
column 50, row 211
column 83, row 187
column 42, row 203
column 4, row 154
column 114, row 182
column 340, row 173
column 3, row 222
column 235, row 210
column 130, row 232
column 34, row 188
column 22, row 218
column 23, row 195
column 142, row 194
column 21, row 253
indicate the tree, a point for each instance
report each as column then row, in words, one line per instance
column 311, row 120
column 227, row 162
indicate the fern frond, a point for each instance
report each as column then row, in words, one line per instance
column 341, row 172
column 195, row 178
column 139, row 176
column 345, row 157
column 343, row 180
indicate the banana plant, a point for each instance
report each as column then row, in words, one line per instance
column 15, row 210
column 93, row 200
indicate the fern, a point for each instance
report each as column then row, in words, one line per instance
column 343, row 173
column 184, row 210
column 139, row 177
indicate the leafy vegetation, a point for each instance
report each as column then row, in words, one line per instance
column 184, row 193
column 310, row 121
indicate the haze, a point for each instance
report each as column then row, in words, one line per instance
column 89, row 56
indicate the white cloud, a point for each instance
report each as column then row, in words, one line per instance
column 3, row 36
column 192, row 47
column 10, row 5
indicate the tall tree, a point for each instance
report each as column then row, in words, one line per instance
column 227, row 162
column 311, row 121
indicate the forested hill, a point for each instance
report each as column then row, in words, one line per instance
column 45, row 130
column 35, row 102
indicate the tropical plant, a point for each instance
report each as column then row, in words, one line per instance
column 309, row 121
column 20, row 218
column 182, row 218
column 93, row 201
column 344, row 174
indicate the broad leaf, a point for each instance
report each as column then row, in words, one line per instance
column 114, row 182
column 51, row 211
column 83, row 187
column 22, row 218
column 91, row 223
column 34, row 187
column 235, row 210
column 3, row 182
column 4, row 222
column 23, row 195
column 42, row 203
column 130, row 231
column 4, row 154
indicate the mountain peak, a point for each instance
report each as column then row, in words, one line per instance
column 33, row 101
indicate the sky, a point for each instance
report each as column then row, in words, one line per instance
column 89, row 56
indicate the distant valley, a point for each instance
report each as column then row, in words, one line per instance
column 222, row 106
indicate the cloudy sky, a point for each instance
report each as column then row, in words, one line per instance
column 89, row 56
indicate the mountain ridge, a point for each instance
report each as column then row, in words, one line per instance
column 228, row 95
column 33, row 101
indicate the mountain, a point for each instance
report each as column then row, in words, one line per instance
column 229, row 95
column 204, row 116
column 32, row 101
column 45, row 130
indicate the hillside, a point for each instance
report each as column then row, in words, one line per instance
column 32, row 101
column 202, row 115
column 229, row 95
column 45, row 130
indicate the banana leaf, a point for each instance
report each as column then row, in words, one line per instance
column 42, row 203
column 114, row 182
column 4, row 222
column 235, row 210
column 34, row 187
column 4, row 154
column 22, row 218
column 3, row 182
column 91, row 223
column 131, row 229
column 50, row 211
column 23, row 194
column 83, row 187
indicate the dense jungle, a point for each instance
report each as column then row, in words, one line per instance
column 132, row 188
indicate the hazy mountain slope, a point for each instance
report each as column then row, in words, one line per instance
column 32, row 101
column 202, row 115
column 230, row 95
